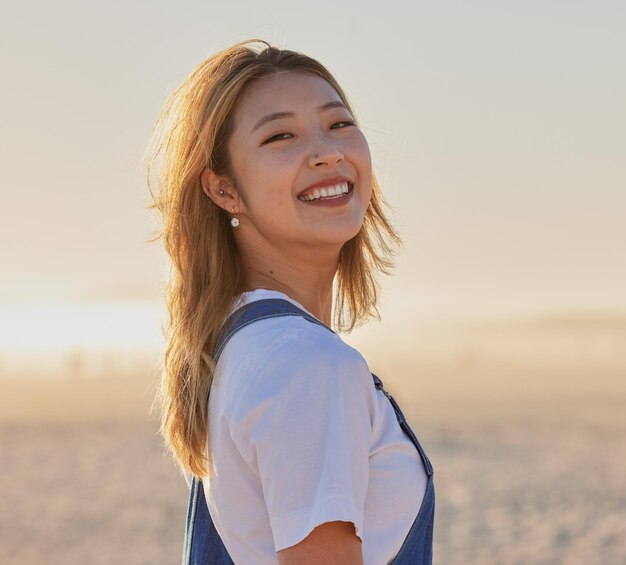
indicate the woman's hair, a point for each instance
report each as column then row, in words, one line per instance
column 192, row 133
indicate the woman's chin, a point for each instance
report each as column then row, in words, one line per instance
column 337, row 238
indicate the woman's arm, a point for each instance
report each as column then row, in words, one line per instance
column 331, row 543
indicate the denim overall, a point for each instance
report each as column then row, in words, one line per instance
column 202, row 543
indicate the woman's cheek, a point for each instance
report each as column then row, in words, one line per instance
column 365, row 151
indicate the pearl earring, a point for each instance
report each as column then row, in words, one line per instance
column 234, row 221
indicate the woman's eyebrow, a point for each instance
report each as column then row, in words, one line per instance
column 279, row 115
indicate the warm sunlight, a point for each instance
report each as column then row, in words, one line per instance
column 496, row 133
column 54, row 326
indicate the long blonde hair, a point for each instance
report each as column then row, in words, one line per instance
column 191, row 134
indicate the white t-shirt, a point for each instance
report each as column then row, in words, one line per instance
column 299, row 437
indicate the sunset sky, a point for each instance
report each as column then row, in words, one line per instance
column 497, row 131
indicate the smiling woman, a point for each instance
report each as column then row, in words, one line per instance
column 276, row 159
column 293, row 450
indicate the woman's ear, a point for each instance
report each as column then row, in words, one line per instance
column 219, row 189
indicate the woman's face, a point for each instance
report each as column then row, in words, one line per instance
column 276, row 158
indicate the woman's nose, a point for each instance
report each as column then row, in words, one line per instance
column 328, row 154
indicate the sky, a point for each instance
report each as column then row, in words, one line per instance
column 497, row 130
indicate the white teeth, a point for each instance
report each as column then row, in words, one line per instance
column 341, row 188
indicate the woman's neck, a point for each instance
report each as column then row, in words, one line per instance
column 311, row 287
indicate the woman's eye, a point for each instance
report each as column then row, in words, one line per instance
column 349, row 122
column 278, row 137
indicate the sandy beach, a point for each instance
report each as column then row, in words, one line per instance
column 528, row 473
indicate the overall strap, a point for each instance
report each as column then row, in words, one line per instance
column 259, row 310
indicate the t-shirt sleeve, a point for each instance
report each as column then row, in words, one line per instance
column 303, row 421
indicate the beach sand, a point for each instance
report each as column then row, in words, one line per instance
column 527, row 473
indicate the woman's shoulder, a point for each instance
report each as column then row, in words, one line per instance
column 290, row 355
column 288, row 337
column 283, row 330
column 307, row 374
column 284, row 355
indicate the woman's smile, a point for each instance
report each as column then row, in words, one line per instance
column 330, row 196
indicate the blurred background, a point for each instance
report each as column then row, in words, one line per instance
column 497, row 133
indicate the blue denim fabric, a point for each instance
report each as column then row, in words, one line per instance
column 202, row 543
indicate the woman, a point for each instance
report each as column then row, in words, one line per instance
column 293, row 450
